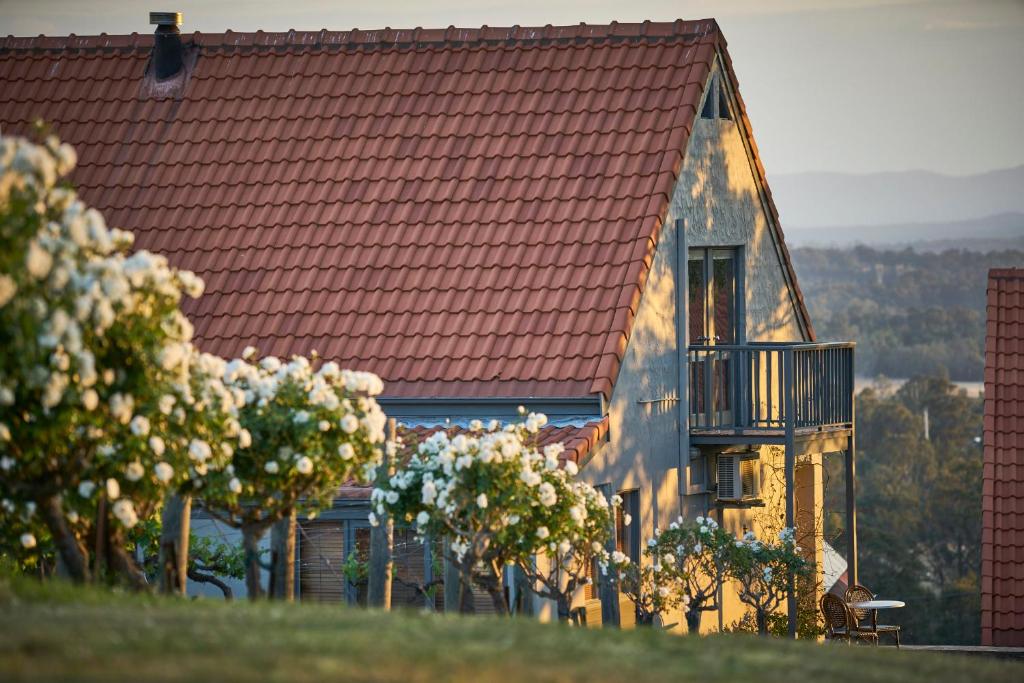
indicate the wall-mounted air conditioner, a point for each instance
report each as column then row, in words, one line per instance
column 739, row 476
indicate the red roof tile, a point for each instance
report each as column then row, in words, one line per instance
column 1002, row 565
column 465, row 212
column 579, row 441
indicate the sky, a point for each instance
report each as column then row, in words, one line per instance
column 855, row 86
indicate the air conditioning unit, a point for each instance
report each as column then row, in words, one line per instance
column 739, row 476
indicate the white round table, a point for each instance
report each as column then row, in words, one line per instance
column 878, row 604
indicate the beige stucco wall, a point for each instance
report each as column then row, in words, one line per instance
column 718, row 196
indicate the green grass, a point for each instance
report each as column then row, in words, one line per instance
column 56, row 632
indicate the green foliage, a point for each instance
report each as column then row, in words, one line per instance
column 764, row 571
column 911, row 313
column 918, row 506
column 698, row 550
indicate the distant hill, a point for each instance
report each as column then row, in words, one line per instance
column 833, row 200
column 992, row 233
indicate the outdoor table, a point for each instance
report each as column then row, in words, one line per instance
column 878, row 604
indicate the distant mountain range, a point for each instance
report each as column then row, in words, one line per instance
column 992, row 233
column 838, row 200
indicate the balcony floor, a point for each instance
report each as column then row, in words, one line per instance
column 815, row 439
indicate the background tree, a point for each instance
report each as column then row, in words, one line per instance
column 653, row 585
column 700, row 549
column 764, row 571
column 94, row 344
column 305, row 431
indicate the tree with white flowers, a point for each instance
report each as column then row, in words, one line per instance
column 578, row 520
column 479, row 490
column 765, row 571
column 96, row 388
column 653, row 584
column 305, row 430
column 700, row 550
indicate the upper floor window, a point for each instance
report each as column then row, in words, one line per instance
column 716, row 101
column 713, row 284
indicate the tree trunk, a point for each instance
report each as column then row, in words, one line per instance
column 253, row 568
column 762, row 622
column 466, row 602
column 452, row 585
column 123, row 564
column 378, row 590
column 200, row 577
column 562, row 602
column 282, row 558
column 174, row 538
column 693, row 621
column 73, row 558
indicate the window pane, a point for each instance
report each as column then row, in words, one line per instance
column 725, row 299
column 696, row 293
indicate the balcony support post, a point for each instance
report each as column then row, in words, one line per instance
column 789, row 406
column 851, row 510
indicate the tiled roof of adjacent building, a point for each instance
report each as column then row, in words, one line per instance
column 465, row 212
column 1002, row 572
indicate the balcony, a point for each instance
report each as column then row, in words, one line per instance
column 768, row 392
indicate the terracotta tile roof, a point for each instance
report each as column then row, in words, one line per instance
column 579, row 442
column 1002, row 564
column 466, row 212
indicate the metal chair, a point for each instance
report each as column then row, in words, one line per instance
column 839, row 621
column 858, row 593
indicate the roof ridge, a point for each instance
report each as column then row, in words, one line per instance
column 386, row 37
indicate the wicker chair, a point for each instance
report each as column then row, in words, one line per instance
column 867, row 619
column 839, row 621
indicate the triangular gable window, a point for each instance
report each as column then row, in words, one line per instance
column 708, row 112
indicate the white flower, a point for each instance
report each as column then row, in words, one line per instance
column 6, row 463
column 125, row 513
column 703, row 529
column 543, row 532
column 235, row 486
column 134, row 471
column 164, row 472
column 429, row 493
column 6, row 396
column 572, row 468
column 481, row 501
column 166, row 403
column 8, row 288
column 156, row 444
column 121, row 407
column 72, row 516
column 349, row 424
column 28, row 541
column 140, row 425
column 324, row 425
column 244, row 438
column 547, row 494
column 373, row 519
column 271, row 467
column 113, row 489
column 668, row 558
column 422, row 519
column 38, row 261
column 663, row 591
column 5, row 432
column 346, row 451
column 304, row 465
column 391, row 497
column 300, row 417
column 90, row 399
column 199, row 450
column 627, row 519
column 86, row 488
column 651, row 542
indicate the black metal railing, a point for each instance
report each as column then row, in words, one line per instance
column 765, row 385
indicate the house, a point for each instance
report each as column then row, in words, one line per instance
column 1002, row 535
column 572, row 218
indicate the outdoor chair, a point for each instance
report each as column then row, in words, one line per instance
column 839, row 621
column 867, row 619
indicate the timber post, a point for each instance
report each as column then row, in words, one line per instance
column 282, row 558
column 174, row 542
column 378, row 592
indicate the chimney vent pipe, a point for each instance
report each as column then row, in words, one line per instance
column 168, row 51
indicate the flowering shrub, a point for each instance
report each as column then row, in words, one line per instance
column 653, row 585
column 699, row 551
column 574, row 523
column 485, row 491
column 95, row 383
column 764, row 571
column 303, row 431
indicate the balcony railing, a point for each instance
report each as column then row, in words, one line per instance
column 769, row 386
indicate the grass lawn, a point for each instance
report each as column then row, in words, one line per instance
column 57, row 633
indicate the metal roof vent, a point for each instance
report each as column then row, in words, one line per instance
column 168, row 52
